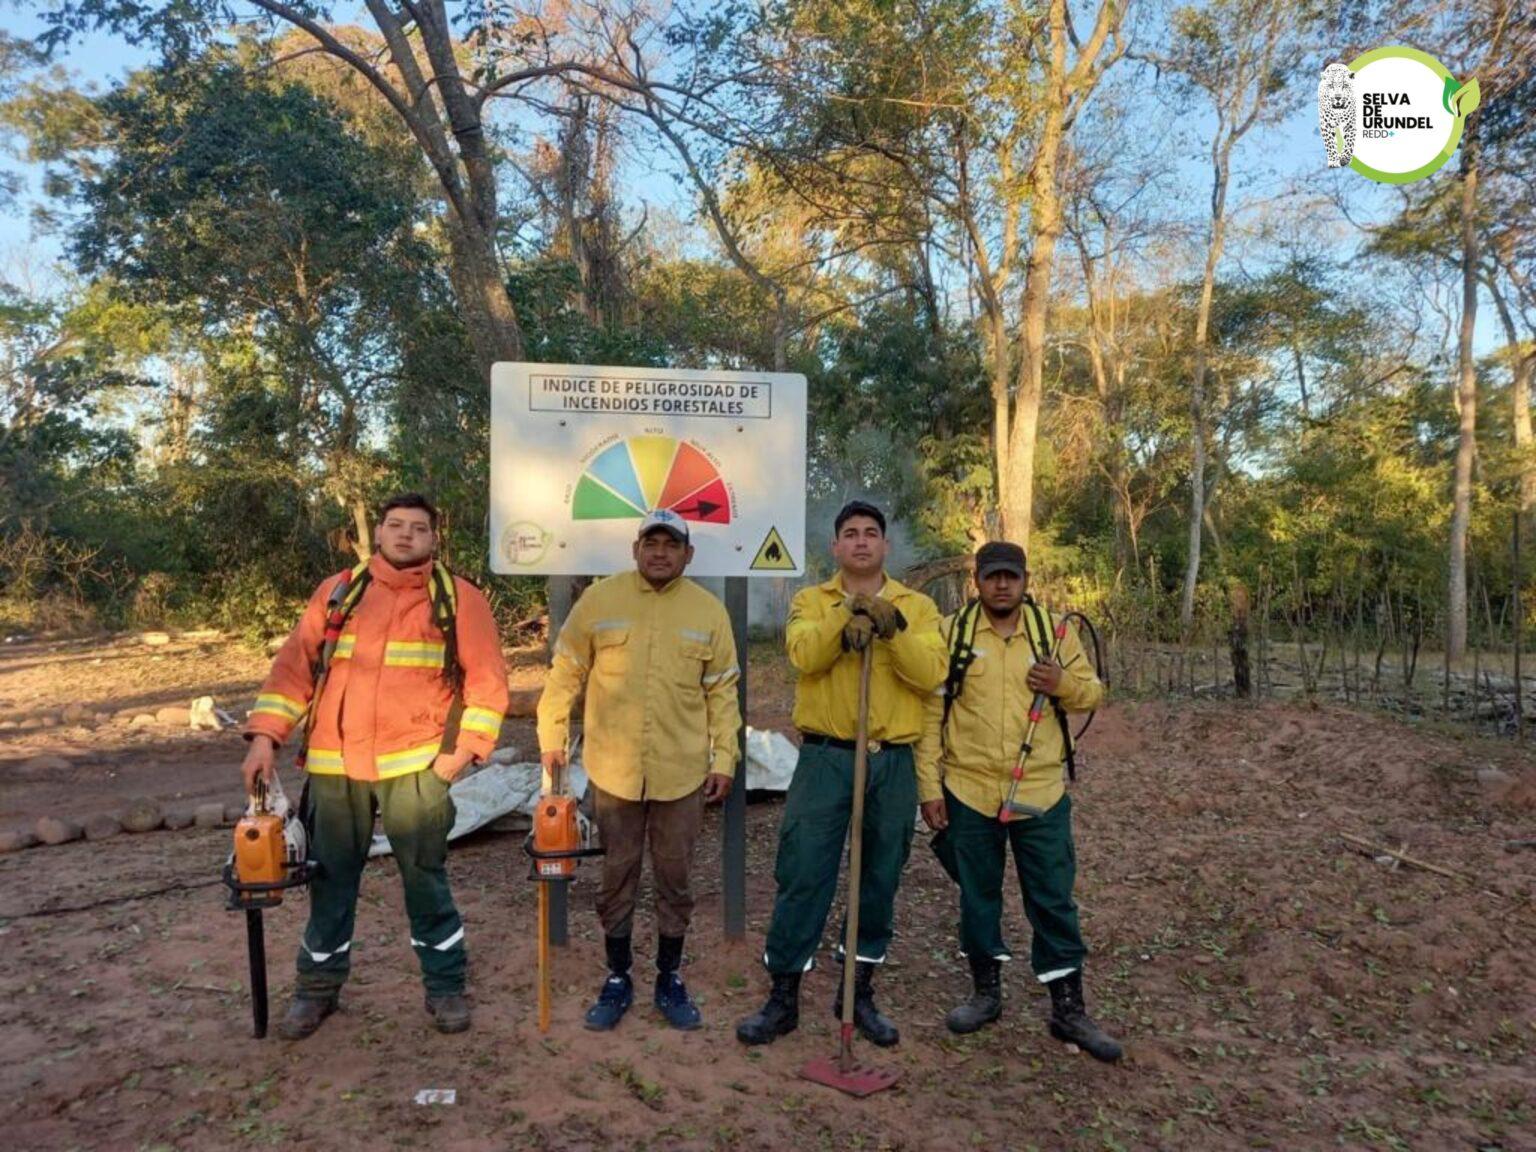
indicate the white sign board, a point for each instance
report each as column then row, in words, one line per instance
column 579, row 454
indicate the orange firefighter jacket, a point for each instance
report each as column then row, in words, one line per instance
column 385, row 703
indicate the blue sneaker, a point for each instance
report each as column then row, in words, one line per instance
column 672, row 1002
column 613, row 1001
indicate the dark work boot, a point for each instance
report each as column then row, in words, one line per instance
column 779, row 1017
column 1071, row 1023
column 672, row 999
column 618, row 991
column 304, row 1017
column 449, row 1013
column 866, row 1017
column 986, row 1002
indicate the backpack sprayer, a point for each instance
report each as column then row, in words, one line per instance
column 268, row 857
column 561, row 836
column 1011, row 809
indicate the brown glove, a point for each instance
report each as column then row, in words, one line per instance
column 886, row 617
column 858, row 634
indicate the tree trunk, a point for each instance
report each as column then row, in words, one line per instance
column 1017, row 496
column 1466, row 393
column 1002, row 371
column 474, row 268
column 363, row 545
column 1221, row 162
column 1522, row 368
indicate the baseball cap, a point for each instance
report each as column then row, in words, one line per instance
column 999, row 556
column 666, row 519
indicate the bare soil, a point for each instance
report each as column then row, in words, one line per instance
column 1275, row 988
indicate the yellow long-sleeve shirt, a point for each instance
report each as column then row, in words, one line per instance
column 660, row 671
column 907, row 667
column 987, row 720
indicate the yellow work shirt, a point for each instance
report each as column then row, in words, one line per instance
column 660, row 671
column 907, row 667
column 975, row 760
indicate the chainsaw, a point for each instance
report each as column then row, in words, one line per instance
column 561, row 836
column 270, row 856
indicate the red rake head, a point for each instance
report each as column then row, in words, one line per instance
column 856, row 1081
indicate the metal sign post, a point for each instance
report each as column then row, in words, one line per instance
column 733, row 847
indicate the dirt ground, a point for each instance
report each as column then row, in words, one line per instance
column 1275, row 988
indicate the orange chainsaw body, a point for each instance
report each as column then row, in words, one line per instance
column 555, row 830
column 261, row 853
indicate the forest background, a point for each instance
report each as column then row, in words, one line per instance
column 1071, row 273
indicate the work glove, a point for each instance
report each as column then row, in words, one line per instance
column 887, row 618
column 858, row 634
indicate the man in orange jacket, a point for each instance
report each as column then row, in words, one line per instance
column 414, row 690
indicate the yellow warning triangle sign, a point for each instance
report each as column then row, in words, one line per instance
column 772, row 555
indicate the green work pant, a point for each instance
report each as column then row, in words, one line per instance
column 417, row 814
column 817, row 811
column 1046, row 861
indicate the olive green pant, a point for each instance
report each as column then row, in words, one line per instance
column 977, row 845
column 817, row 811
column 417, row 813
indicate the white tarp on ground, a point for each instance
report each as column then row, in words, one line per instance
column 499, row 788
column 503, row 787
column 770, row 761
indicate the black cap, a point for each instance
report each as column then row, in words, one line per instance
column 858, row 508
column 999, row 556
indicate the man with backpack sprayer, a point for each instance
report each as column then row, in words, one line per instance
column 657, row 657
column 830, row 627
column 395, row 677
column 989, row 769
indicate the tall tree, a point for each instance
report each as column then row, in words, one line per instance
column 1482, row 37
column 423, row 76
column 1065, row 89
column 1240, row 55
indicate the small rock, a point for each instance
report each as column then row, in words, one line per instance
column 143, row 720
column 178, row 818
column 143, row 816
column 47, row 764
column 102, row 827
column 208, row 815
column 175, row 717
column 52, row 830
column 155, row 639
column 74, row 713
column 7, row 725
column 49, row 721
column 16, row 841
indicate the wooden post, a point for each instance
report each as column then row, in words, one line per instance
column 1242, row 683
column 1519, row 624
column 561, row 594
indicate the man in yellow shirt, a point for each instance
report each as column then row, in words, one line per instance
column 656, row 654
column 829, row 627
column 1006, row 652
